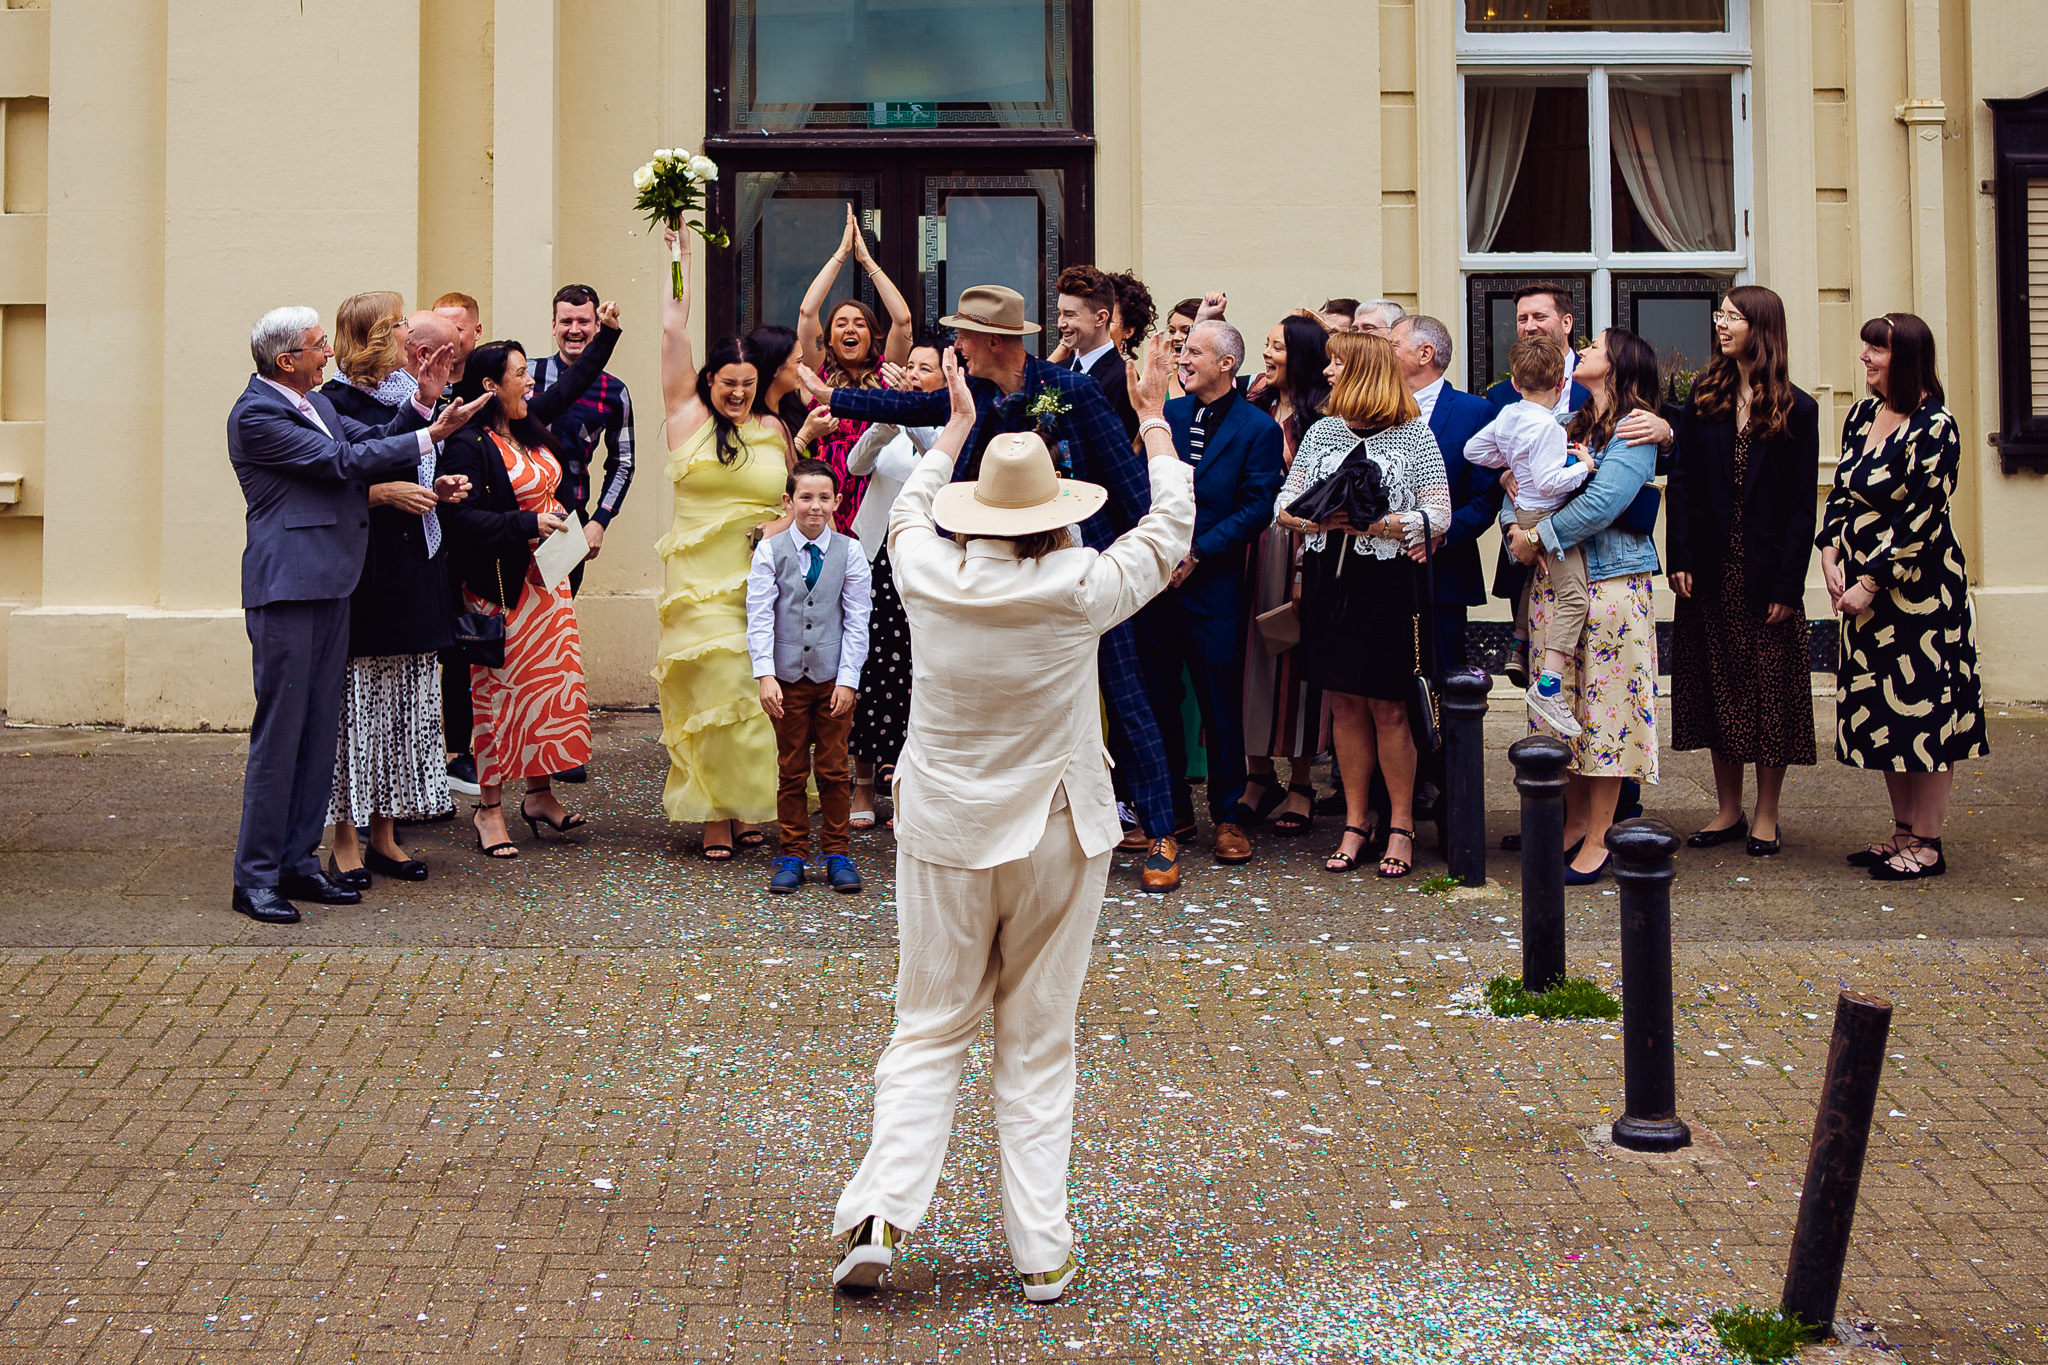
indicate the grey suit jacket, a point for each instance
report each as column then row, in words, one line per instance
column 308, row 491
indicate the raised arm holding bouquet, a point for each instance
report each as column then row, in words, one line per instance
column 670, row 186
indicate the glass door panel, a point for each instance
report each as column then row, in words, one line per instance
column 788, row 223
column 990, row 229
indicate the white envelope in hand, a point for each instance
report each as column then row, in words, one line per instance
column 561, row 552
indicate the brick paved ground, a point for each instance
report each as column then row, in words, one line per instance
column 597, row 1106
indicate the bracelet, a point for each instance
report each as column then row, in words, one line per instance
column 1151, row 422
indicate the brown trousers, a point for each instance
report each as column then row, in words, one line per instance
column 804, row 725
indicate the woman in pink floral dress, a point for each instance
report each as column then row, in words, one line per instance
column 1612, row 681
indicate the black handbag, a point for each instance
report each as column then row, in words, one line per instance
column 1425, row 707
column 480, row 636
column 1355, row 491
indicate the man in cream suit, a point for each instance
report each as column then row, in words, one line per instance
column 1004, row 817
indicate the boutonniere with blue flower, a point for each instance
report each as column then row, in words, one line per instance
column 1047, row 409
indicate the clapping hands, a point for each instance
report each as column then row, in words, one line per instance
column 956, row 388
column 1150, row 396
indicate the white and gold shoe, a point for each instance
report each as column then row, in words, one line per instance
column 1047, row 1286
column 870, row 1249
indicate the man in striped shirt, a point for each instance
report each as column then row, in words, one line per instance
column 604, row 413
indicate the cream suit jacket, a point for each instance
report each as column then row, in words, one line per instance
column 1003, row 703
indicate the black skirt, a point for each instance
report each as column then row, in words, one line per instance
column 1358, row 626
column 882, row 715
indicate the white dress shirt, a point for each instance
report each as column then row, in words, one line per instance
column 1527, row 439
column 1087, row 362
column 854, row 604
column 299, row 401
column 1425, row 397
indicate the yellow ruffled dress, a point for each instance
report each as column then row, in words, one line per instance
column 721, row 744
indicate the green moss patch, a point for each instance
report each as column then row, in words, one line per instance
column 1756, row 1335
column 1572, row 998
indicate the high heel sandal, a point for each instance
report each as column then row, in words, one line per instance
column 570, row 820
column 1914, row 869
column 1289, row 823
column 1884, row 852
column 1350, row 860
column 503, row 852
column 1388, row 859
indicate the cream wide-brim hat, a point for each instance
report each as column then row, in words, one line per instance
column 993, row 309
column 1018, row 494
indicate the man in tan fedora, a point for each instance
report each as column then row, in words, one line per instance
column 1004, row 817
column 1087, row 441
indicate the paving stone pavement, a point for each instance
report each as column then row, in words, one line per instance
column 597, row 1106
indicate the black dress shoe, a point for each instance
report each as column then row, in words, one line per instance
column 579, row 773
column 1764, row 848
column 355, row 879
column 264, row 905
column 408, row 870
column 1710, row 838
column 319, row 888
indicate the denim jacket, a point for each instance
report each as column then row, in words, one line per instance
column 1588, row 518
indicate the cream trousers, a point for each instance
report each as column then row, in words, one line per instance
column 1016, row 937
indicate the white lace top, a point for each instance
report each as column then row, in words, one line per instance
column 1410, row 464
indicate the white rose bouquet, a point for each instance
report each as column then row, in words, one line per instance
column 670, row 185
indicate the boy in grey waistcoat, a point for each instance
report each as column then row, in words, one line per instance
column 807, row 630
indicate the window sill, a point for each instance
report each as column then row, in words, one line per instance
column 819, row 139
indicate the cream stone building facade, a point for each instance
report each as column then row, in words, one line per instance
column 172, row 168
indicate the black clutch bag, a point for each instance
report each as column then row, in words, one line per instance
column 1353, row 492
column 480, row 635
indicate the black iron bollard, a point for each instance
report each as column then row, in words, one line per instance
column 1465, row 773
column 1643, row 851
column 1539, row 776
column 1834, row 1164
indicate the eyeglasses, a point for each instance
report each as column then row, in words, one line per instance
column 1721, row 319
column 294, row 350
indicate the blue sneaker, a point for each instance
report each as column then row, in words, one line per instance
column 841, row 874
column 789, row 874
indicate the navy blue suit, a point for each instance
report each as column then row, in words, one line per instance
column 1503, row 396
column 1475, row 505
column 1199, row 626
column 309, row 526
column 1092, row 442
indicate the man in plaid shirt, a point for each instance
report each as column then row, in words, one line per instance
column 604, row 412
column 1087, row 442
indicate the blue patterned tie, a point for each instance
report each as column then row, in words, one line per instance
column 817, row 567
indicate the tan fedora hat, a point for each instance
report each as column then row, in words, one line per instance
column 1017, row 494
column 993, row 309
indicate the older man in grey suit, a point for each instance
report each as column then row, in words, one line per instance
column 305, row 471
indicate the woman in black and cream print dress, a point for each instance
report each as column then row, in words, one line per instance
column 1908, row 701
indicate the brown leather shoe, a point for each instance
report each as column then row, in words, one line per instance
column 1135, row 840
column 1162, row 870
column 1232, row 845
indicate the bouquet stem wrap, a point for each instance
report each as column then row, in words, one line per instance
column 675, row 265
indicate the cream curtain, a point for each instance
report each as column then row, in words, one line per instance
column 1673, row 142
column 1496, row 133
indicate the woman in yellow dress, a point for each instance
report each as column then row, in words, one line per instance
column 729, row 467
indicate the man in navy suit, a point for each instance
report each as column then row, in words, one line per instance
column 1422, row 344
column 1087, row 442
column 1196, row 623
column 1544, row 310
column 305, row 472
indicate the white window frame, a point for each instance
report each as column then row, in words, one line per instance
column 1591, row 57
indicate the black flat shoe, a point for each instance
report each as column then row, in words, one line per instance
column 355, row 879
column 318, row 888
column 405, row 870
column 1914, row 870
column 264, row 905
column 579, row 773
column 1871, row 857
column 1714, row 838
column 1764, row 848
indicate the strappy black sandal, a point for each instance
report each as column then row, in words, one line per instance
column 570, row 820
column 503, row 852
column 1915, row 870
column 1389, row 860
column 1289, row 823
column 1270, row 797
column 1350, row 861
column 1884, row 852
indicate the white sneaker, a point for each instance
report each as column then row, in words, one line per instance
column 1552, row 711
column 1047, row 1287
column 870, row 1248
